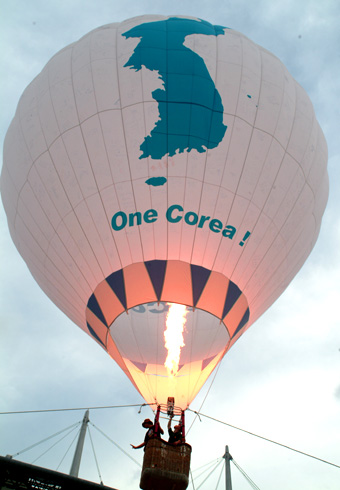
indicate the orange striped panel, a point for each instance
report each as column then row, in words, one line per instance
column 109, row 303
column 214, row 294
column 235, row 314
column 98, row 326
column 138, row 285
column 177, row 286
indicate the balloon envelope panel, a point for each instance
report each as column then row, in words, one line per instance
column 164, row 159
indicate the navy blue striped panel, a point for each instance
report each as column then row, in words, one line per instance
column 242, row 323
column 93, row 333
column 95, row 308
column 199, row 277
column 233, row 295
column 116, row 283
column 156, row 270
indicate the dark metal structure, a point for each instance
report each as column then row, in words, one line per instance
column 15, row 475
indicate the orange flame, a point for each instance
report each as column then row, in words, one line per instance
column 173, row 335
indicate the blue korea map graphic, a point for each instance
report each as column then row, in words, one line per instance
column 190, row 107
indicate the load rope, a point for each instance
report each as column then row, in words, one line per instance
column 266, row 439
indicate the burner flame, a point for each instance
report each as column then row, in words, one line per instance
column 173, row 336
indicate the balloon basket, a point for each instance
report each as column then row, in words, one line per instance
column 165, row 466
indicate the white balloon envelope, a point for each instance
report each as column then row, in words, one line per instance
column 164, row 160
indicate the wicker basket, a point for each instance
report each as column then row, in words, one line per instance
column 165, row 467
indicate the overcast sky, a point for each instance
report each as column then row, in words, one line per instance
column 281, row 380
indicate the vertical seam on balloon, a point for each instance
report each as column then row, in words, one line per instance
column 26, row 145
column 125, row 145
column 167, row 136
column 26, row 181
column 189, row 136
column 205, row 161
column 191, row 91
column 286, row 282
column 309, row 138
column 45, row 253
column 98, row 113
column 182, row 237
column 218, row 186
column 250, row 202
column 306, row 184
column 264, row 159
column 263, row 163
column 55, row 166
column 101, row 266
column 149, row 188
column 266, row 200
column 127, row 153
column 235, row 117
column 273, row 293
column 143, row 109
column 43, row 271
column 186, row 179
column 206, row 155
column 62, row 241
column 57, row 287
column 106, row 152
column 148, row 160
column 278, row 234
column 233, row 245
column 28, row 171
column 61, row 258
column 309, row 142
column 167, row 148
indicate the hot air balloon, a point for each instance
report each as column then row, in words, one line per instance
column 164, row 162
